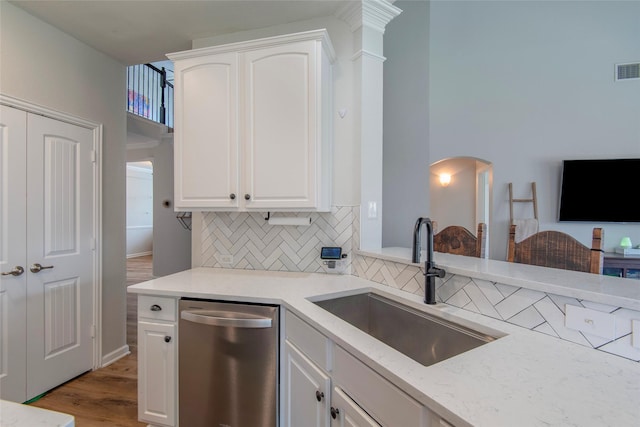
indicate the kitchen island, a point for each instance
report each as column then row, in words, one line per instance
column 523, row 378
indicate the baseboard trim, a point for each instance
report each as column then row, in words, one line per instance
column 139, row 254
column 115, row 355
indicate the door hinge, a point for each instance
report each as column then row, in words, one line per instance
column 92, row 331
column 93, row 243
column 94, row 156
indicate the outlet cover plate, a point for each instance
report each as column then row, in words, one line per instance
column 635, row 333
column 590, row 321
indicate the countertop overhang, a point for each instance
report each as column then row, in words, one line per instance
column 524, row 378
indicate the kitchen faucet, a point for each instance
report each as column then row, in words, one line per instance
column 430, row 269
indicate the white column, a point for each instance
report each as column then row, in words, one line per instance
column 368, row 19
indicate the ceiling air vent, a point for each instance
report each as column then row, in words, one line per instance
column 628, row 71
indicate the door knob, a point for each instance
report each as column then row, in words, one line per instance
column 17, row 270
column 36, row 268
column 319, row 395
column 167, row 338
column 247, row 196
column 232, row 196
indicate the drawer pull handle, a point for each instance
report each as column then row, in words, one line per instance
column 167, row 338
column 247, row 196
column 335, row 412
column 232, row 196
column 156, row 307
column 319, row 395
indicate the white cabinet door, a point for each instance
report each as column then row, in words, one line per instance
column 346, row 413
column 305, row 392
column 206, row 132
column 280, row 126
column 157, row 373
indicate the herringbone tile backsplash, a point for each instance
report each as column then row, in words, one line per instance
column 249, row 242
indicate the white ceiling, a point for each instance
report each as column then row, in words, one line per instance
column 139, row 31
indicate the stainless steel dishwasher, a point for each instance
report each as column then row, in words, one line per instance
column 228, row 364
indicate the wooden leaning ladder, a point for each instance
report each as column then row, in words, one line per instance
column 533, row 199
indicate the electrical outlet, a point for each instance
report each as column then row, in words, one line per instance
column 590, row 321
column 226, row 259
column 635, row 333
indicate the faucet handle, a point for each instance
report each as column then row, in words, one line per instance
column 435, row 272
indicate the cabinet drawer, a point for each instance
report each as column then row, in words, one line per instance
column 387, row 404
column 312, row 343
column 157, row 308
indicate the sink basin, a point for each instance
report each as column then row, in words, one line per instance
column 424, row 338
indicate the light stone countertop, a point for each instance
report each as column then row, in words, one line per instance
column 609, row 290
column 522, row 379
column 18, row 415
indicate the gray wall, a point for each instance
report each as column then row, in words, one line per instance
column 171, row 242
column 405, row 195
column 45, row 66
column 525, row 85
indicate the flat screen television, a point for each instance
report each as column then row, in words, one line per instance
column 600, row 190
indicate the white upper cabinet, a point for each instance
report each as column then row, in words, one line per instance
column 253, row 125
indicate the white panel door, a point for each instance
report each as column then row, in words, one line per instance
column 280, row 130
column 13, row 289
column 206, row 135
column 60, row 189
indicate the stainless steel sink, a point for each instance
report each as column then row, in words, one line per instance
column 424, row 338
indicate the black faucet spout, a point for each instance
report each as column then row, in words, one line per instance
column 430, row 269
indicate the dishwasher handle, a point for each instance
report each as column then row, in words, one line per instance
column 226, row 318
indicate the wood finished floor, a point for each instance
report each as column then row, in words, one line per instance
column 107, row 396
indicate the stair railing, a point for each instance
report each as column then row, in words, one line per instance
column 149, row 94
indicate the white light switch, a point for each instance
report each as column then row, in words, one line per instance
column 590, row 321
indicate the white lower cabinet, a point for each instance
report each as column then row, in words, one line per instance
column 157, row 367
column 360, row 396
column 346, row 413
column 307, row 388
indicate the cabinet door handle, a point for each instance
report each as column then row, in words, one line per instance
column 17, row 270
column 36, row 268
column 167, row 338
column 155, row 307
column 319, row 395
column 232, row 196
column 335, row 412
column 247, row 196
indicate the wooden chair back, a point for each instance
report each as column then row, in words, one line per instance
column 457, row 240
column 556, row 249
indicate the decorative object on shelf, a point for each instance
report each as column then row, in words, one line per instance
column 626, row 243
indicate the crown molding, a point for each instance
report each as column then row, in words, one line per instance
column 374, row 14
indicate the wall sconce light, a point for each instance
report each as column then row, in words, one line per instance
column 445, row 179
